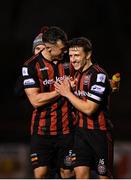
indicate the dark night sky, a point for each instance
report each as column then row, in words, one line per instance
column 106, row 23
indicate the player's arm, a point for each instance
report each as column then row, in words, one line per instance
column 88, row 107
column 31, row 86
column 38, row 99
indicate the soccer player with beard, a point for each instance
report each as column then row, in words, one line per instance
column 53, row 120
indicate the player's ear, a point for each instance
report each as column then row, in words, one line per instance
column 88, row 56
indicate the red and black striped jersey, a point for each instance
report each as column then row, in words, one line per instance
column 55, row 117
column 93, row 84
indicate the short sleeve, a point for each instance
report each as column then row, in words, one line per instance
column 98, row 87
column 30, row 78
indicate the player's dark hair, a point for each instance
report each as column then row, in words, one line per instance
column 53, row 34
column 81, row 42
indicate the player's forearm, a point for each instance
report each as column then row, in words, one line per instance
column 44, row 98
column 81, row 105
column 40, row 99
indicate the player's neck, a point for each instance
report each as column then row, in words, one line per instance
column 87, row 65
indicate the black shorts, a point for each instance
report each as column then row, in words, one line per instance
column 94, row 148
column 51, row 151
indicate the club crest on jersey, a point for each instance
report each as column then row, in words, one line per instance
column 101, row 167
column 70, row 158
column 87, row 79
column 101, row 77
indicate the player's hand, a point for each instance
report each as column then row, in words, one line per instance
column 72, row 82
column 63, row 87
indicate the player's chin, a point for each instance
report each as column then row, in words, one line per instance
column 76, row 67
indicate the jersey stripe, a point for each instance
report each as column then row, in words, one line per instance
column 84, row 82
column 101, row 119
column 55, row 117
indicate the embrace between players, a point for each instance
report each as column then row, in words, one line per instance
column 70, row 127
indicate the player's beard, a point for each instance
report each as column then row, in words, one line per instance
column 60, row 57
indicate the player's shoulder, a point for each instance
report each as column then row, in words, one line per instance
column 100, row 73
column 96, row 68
column 31, row 61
